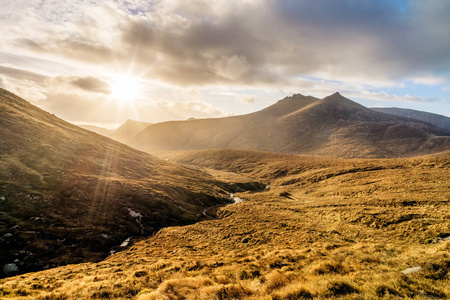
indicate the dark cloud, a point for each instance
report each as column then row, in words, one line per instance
column 90, row 84
column 23, row 74
column 345, row 39
column 87, row 83
column 75, row 48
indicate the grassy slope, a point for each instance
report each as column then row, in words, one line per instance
column 65, row 192
column 326, row 228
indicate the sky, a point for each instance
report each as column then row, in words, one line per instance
column 103, row 62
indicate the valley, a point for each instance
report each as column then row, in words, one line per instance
column 326, row 228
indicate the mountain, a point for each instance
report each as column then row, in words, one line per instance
column 128, row 130
column 332, row 126
column 435, row 119
column 68, row 195
column 97, row 129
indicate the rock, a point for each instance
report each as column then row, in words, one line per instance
column 411, row 270
column 2, row 198
column 10, row 268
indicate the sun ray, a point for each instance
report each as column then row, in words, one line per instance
column 125, row 88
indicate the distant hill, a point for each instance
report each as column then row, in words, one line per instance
column 332, row 126
column 435, row 119
column 128, row 130
column 68, row 195
column 97, row 129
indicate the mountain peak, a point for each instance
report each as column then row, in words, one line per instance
column 338, row 99
column 336, row 95
column 288, row 105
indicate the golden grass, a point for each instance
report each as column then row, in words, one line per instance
column 346, row 230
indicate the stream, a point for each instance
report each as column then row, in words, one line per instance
column 138, row 217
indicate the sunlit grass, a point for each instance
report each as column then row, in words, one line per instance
column 346, row 228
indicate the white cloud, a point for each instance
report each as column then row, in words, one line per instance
column 246, row 99
column 384, row 96
column 429, row 80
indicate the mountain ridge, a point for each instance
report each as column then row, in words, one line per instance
column 432, row 118
column 332, row 126
column 128, row 130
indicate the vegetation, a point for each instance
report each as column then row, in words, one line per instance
column 347, row 230
column 68, row 195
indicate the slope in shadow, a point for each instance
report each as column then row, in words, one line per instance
column 68, row 195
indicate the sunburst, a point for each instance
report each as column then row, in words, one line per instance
column 125, row 88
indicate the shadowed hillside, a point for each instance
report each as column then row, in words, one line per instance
column 435, row 119
column 333, row 126
column 325, row 229
column 128, row 130
column 68, row 195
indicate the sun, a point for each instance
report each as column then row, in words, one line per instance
column 125, row 88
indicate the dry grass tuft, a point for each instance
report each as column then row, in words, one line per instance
column 385, row 291
column 293, row 292
column 222, row 292
column 330, row 267
column 276, row 280
column 340, row 288
column 177, row 288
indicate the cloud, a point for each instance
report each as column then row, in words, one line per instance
column 247, row 99
column 104, row 111
column 23, row 74
column 86, row 83
column 233, row 68
column 429, row 80
column 384, row 96
column 180, row 110
column 314, row 47
column 90, row 84
column 252, row 42
column 4, row 84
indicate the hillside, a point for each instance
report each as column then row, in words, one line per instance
column 68, row 195
column 332, row 126
column 435, row 119
column 97, row 129
column 128, row 130
column 325, row 229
